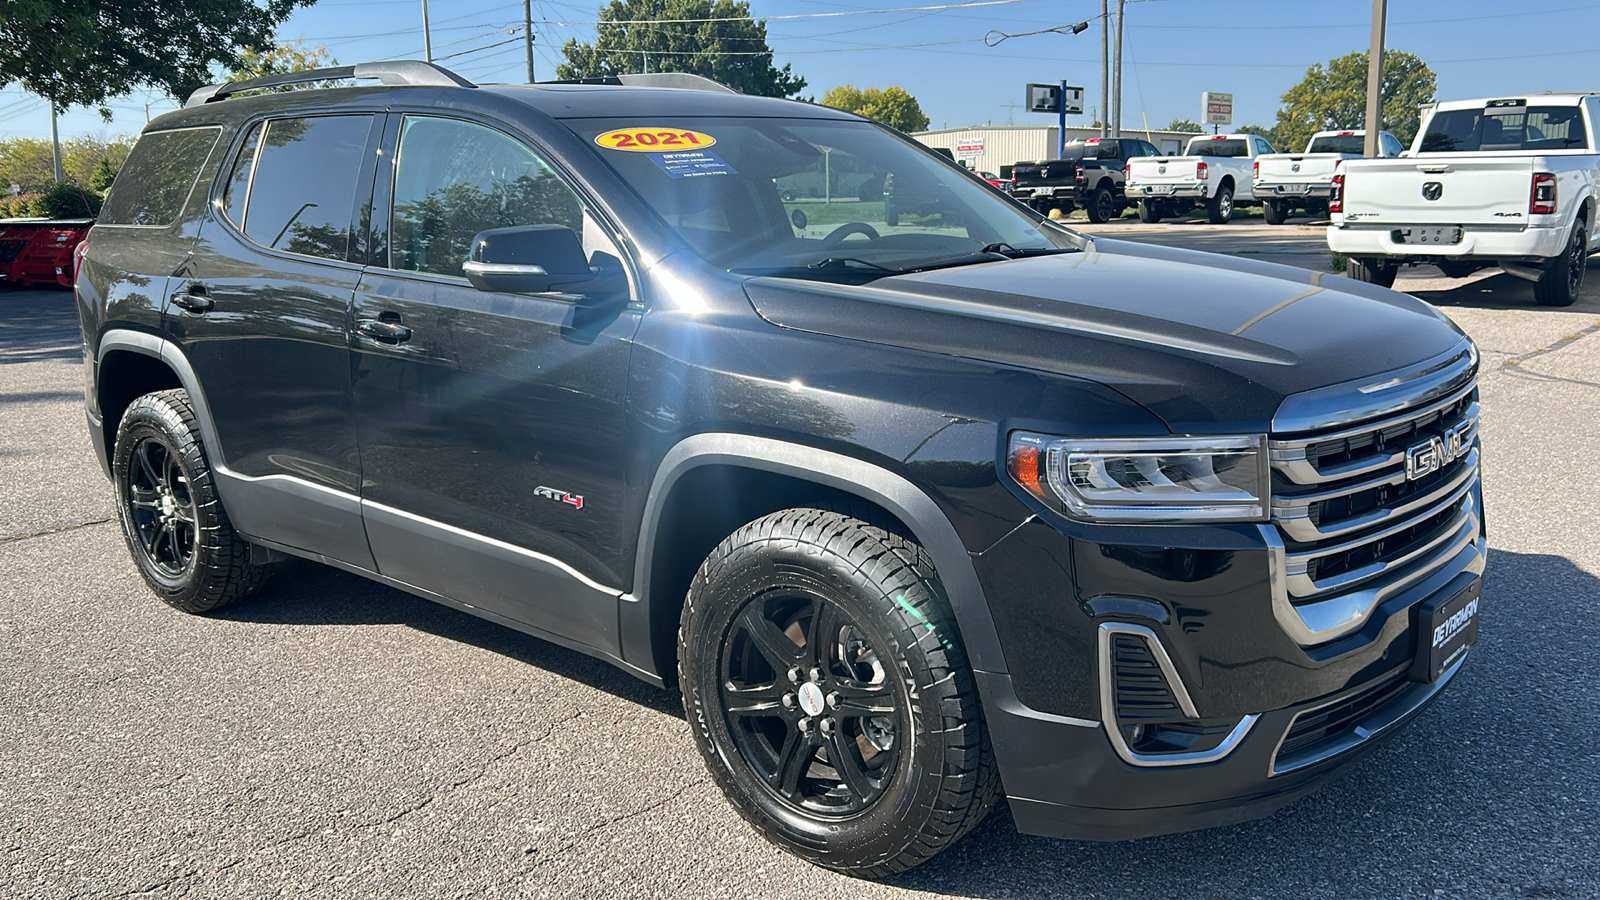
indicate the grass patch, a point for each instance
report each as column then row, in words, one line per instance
column 1338, row 263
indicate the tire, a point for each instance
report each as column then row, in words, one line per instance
column 1102, row 206
column 1273, row 213
column 1219, row 209
column 1149, row 212
column 870, row 603
column 1563, row 275
column 172, row 519
column 1373, row 272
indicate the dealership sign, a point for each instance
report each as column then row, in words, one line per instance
column 969, row 147
column 1216, row 108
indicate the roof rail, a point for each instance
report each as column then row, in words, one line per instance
column 682, row 81
column 404, row 71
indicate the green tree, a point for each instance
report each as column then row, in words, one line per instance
column 891, row 105
column 103, row 176
column 1184, row 125
column 25, row 162
column 682, row 36
column 295, row 57
column 1271, row 134
column 1335, row 96
column 84, row 52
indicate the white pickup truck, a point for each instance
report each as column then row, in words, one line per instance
column 1508, row 182
column 1286, row 182
column 1215, row 171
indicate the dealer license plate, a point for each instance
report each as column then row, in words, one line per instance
column 1433, row 234
column 1291, row 189
column 1158, row 189
column 1446, row 630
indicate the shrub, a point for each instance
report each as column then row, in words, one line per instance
column 64, row 200
column 22, row 206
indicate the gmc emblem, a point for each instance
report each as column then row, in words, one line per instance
column 1437, row 452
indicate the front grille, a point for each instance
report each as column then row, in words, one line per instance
column 1357, row 507
column 1332, row 723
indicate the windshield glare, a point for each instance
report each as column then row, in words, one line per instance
column 810, row 198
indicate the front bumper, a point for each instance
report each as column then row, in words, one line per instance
column 1167, row 192
column 1509, row 243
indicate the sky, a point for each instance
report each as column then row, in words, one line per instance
column 1172, row 51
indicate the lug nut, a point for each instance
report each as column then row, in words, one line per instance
column 788, row 701
column 795, row 675
column 826, row 725
column 816, row 675
column 805, row 726
column 834, row 699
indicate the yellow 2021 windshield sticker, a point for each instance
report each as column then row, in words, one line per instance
column 654, row 140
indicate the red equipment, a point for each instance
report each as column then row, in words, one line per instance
column 36, row 252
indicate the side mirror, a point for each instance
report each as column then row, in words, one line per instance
column 527, row 259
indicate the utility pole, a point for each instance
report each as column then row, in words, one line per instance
column 427, row 36
column 1061, row 121
column 1105, row 64
column 55, row 141
column 1116, row 92
column 527, row 34
column 1380, row 16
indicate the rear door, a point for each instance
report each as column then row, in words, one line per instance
column 262, row 309
column 491, row 425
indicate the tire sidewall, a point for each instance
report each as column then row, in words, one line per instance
column 151, row 417
column 877, row 832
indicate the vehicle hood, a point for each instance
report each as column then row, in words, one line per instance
column 1207, row 342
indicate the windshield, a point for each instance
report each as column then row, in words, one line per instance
column 1339, row 143
column 1505, row 128
column 812, row 198
column 1218, row 147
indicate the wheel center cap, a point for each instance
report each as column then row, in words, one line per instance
column 168, row 506
column 811, row 698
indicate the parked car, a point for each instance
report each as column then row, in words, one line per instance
column 1508, row 182
column 1287, row 182
column 1215, row 172
column 1143, row 539
column 1090, row 174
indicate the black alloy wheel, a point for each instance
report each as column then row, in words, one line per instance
column 810, row 704
column 161, row 507
column 829, row 693
column 172, row 519
column 1562, row 281
column 1103, row 205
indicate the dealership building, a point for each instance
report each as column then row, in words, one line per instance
column 993, row 148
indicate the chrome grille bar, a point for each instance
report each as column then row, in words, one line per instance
column 1289, row 456
column 1293, row 514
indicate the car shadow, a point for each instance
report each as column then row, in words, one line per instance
column 1494, row 289
column 1497, row 759
column 38, row 325
column 306, row 593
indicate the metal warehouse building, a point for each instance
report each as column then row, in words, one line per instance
column 990, row 148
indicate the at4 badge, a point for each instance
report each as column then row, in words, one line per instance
column 573, row 499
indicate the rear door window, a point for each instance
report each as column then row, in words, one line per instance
column 158, row 177
column 299, row 178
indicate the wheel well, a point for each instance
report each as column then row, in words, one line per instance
column 709, row 503
column 123, row 377
column 1226, row 180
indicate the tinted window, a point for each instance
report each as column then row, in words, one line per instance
column 1262, row 146
column 1391, row 144
column 1338, row 143
column 158, row 176
column 1218, row 147
column 304, row 184
column 239, row 181
column 454, row 179
column 1505, row 128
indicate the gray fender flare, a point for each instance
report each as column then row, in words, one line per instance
column 845, row 473
column 160, row 348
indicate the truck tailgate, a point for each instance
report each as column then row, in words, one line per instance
column 1439, row 190
column 1298, row 168
column 1157, row 170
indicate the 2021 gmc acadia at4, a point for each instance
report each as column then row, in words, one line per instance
column 913, row 515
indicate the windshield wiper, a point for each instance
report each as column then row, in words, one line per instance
column 996, row 252
column 1010, row 252
column 848, row 262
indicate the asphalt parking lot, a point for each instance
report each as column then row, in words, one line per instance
column 334, row 738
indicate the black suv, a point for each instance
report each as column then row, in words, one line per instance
column 913, row 516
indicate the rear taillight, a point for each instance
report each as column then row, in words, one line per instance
column 1201, row 172
column 1255, row 171
column 1078, row 174
column 1543, row 200
column 1336, row 196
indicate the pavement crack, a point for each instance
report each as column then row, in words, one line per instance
column 609, row 822
column 59, row 529
column 1566, row 341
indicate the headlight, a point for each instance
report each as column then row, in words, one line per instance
column 1145, row 480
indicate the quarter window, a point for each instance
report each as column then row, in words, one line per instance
column 301, row 184
column 454, row 179
column 158, row 176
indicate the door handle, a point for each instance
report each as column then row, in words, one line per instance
column 193, row 299
column 383, row 331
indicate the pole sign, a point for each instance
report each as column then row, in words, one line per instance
column 969, row 147
column 1217, row 109
column 1044, row 98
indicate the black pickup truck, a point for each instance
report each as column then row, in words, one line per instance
column 912, row 516
column 1089, row 174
